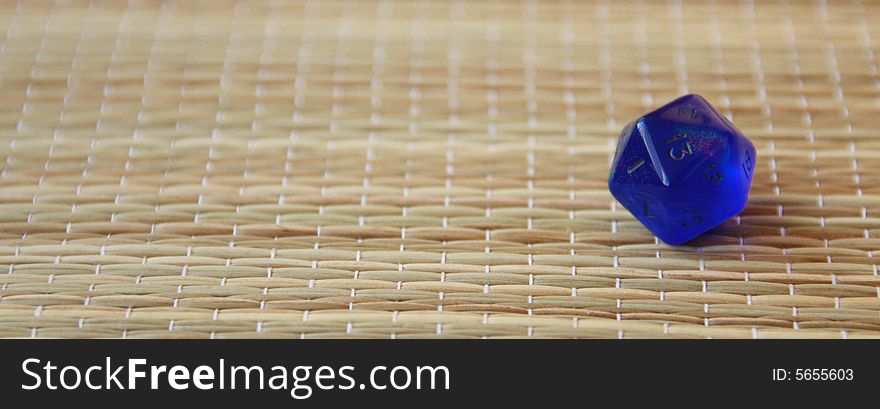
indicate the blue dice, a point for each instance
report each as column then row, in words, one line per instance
column 682, row 169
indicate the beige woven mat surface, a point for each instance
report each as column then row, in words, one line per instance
column 425, row 169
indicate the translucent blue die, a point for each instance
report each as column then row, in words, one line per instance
column 682, row 169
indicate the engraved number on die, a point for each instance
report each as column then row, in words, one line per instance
column 682, row 151
column 694, row 114
column 692, row 217
column 747, row 165
column 648, row 214
column 713, row 174
column 679, row 152
column 635, row 166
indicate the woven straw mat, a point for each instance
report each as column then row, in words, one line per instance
column 403, row 169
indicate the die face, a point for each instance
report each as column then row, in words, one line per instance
column 679, row 214
column 682, row 135
column 682, row 169
column 691, row 110
column 632, row 162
